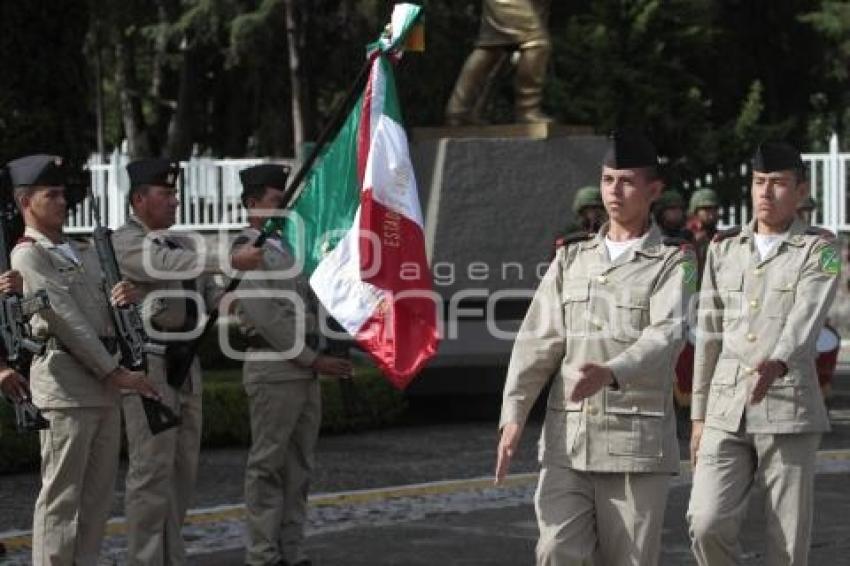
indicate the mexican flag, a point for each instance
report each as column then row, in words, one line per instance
column 361, row 227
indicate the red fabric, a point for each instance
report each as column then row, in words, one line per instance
column 685, row 369
column 402, row 333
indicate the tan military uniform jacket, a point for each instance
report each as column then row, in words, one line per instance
column 752, row 310
column 628, row 315
column 273, row 315
column 142, row 253
column 71, row 372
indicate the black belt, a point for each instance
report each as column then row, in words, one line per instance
column 109, row 342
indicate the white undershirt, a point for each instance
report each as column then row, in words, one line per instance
column 616, row 249
column 766, row 242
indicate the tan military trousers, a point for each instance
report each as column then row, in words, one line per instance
column 604, row 519
column 161, row 474
column 79, row 462
column 728, row 465
column 285, row 419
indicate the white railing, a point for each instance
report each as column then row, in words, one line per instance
column 827, row 179
column 209, row 191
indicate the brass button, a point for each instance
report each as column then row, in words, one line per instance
column 754, row 304
column 751, row 337
column 592, row 410
column 602, row 279
column 748, row 370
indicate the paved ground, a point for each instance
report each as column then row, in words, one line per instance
column 367, row 512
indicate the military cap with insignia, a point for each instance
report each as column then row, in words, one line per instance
column 158, row 172
column 37, row 170
column 771, row 157
column 630, row 149
column 265, row 175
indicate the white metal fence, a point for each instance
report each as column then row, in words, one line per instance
column 827, row 178
column 208, row 190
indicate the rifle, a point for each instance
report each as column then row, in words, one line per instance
column 133, row 342
column 18, row 344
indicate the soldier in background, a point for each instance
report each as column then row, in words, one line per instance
column 163, row 467
column 756, row 410
column 506, row 25
column 669, row 212
column 283, row 393
column 607, row 321
column 76, row 381
column 703, row 216
column 806, row 210
column 589, row 214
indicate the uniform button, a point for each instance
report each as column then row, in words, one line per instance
column 602, row 279
column 754, row 304
column 634, row 409
column 758, row 271
column 595, row 323
column 751, row 337
column 592, row 410
column 748, row 370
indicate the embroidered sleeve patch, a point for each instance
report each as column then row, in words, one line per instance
column 829, row 261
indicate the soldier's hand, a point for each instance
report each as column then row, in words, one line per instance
column 13, row 385
column 768, row 371
column 331, row 365
column 247, row 258
column 696, row 438
column 124, row 293
column 591, row 378
column 134, row 381
column 11, row 282
column 508, row 442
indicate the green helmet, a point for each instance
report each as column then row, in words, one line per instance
column 807, row 203
column 587, row 196
column 669, row 199
column 703, row 198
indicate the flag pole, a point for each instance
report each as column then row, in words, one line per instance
column 330, row 130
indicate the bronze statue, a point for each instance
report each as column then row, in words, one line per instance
column 506, row 25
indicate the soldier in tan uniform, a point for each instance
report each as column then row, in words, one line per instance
column 283, row 393
column 757, row 412
column 606, row 325
column 163, row 467
column 76, row 381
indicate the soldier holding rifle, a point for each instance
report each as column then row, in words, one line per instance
column 76, row 381
column 173, row 276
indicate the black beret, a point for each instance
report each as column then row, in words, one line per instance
column 40, row 170
column 776, row 156
column 265, row 175
column 160, row 172
column 630, row 149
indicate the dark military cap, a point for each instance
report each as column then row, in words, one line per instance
column 630, row 149
column 776, row 156
column 37, row 170
column 159, row 172
column 265, row 175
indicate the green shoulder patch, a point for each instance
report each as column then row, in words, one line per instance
column 829, row 261
column 690, row 274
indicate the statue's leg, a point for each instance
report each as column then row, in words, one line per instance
column 470, row 84
column 530, row 76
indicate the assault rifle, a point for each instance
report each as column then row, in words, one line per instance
column 18, row 344
column 132, row 340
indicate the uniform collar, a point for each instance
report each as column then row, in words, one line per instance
column 650, row 244
column 41, row 239
column 795, row 237
column 133, row 219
